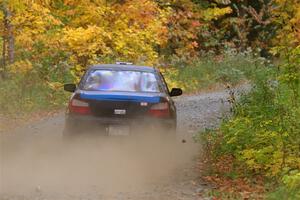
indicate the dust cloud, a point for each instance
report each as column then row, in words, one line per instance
column 47, row 163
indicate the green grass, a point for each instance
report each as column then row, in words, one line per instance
column 25, row 94
column 206, row 72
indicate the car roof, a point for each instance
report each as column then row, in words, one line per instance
column 123, row 67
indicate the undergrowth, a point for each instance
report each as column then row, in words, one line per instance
column 262, row 136
column 32, row 91
column 210, row 70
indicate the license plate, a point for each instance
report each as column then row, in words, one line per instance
column 120, row 112
column 118, row 130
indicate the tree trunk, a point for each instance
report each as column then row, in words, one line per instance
column 3, row 53
column 3, row 63
column 8, row 46
column 10, row 36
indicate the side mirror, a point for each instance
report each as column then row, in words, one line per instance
column 70, row 87
column 175, row 92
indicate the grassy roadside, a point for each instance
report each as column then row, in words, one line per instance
column 211, row 71
column 255, row 153
column 28, row 96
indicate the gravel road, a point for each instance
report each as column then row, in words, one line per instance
column 36, row 165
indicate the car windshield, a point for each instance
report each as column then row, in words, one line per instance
column 125, row 81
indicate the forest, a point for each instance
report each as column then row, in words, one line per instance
column 197, row 44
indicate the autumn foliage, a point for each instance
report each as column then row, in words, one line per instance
column 46, row 43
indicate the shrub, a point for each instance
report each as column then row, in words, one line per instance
column 263, row 133
column 33, row 89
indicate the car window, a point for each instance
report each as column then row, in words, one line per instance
column 127, row 81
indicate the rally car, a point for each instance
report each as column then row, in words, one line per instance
column 116, row 99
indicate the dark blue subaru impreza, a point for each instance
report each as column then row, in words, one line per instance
column 115, row 99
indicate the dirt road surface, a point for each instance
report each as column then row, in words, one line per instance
column 36, row 164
